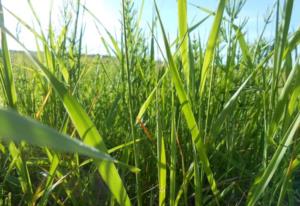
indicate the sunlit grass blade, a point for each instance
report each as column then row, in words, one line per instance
column 293, row 43
column 161, row 149
column 173, row 152
column 211, row 45
column 6, row 71
column 127, row 144
column 9, row 89
column 50, row 179
column 262, row 182
column 40, row 135
column 280, row 44
column 229, row 106
column 162, row 173
column 283, row 100
column 187, row 112
column 294, row 164
column 244, row 47
column 161, row 154
column 86, row 130
column 184, row 38
column 293, row 104
column 146, row 104
column 186, row 179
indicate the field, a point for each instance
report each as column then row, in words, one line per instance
column 189, row 121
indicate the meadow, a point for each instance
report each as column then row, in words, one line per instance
column 211, row 122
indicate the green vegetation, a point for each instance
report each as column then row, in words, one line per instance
column 209, row 124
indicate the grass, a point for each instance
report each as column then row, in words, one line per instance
column 213, row 122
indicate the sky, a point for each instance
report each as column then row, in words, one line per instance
column 109, row 13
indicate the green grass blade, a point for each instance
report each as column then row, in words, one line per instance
column 183, row 38
column 124, row 145
column 162, row 166
column 293, row 43
column 161, row 150
column 280, row 44
column 229, row 106
column 11, row 97
column 162, row 173
column 283, row 101
column 146, row 104
column 17, row 128
column 49, row 182
column 293, row 104
column 186, row 179
column 244, row 46
column 7, row 75
column 262, row 182
column 22, row 170
column 294, row 164
column 173, row 153
column 86, row 130
column 187, row 112
column 211, row 45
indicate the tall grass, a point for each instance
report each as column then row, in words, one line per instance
column 213, row 122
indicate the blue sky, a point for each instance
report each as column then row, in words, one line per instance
column 108, row 11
